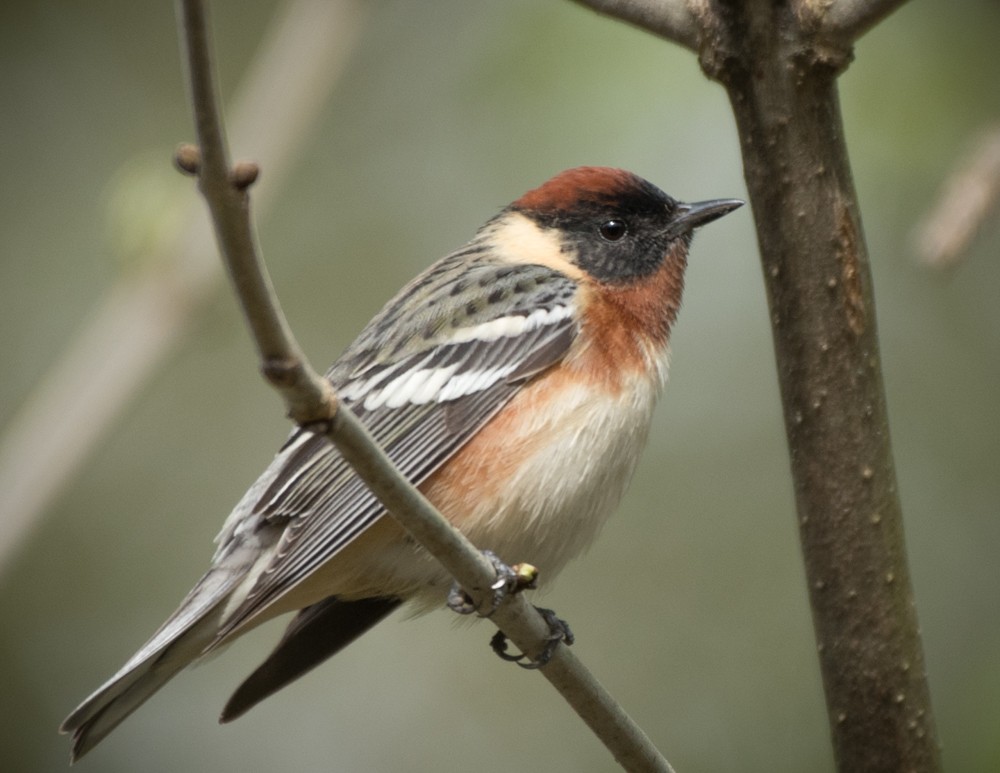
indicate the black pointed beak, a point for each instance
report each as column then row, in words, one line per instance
column 691, row 216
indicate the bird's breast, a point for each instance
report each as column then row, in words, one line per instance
column 539, row 480
column 534, row 485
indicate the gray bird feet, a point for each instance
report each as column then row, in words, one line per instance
column 559, row 632
column 510, row 579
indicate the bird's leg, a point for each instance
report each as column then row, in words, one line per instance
column 510, row 579
column 559, row 631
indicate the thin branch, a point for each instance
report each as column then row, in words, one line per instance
column 526, row 628
column 134, row 327
column 308, row 396
column 968, row 199
column 670, row 19
column 848, row 20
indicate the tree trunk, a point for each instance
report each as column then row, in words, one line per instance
column 782, row 86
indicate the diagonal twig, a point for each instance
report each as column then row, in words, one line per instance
column 670, row 19
column 848, row 20
column 969, row 198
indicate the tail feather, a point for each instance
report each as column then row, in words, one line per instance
column 315, row 634
column 179, row 641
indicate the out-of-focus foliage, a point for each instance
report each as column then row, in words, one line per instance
column 691, row 608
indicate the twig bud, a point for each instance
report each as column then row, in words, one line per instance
column 243, row 174
column 187, row 157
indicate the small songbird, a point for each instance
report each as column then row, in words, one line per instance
column 513, row 382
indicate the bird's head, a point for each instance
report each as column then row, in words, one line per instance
column 613, row 225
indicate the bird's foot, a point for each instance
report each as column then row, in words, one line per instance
column 510, row 580
column 559, row 632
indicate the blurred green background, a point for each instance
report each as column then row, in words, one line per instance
column 691, row 608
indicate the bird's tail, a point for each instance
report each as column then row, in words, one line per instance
column 182, row 639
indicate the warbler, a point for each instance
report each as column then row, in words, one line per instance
column 513, row 382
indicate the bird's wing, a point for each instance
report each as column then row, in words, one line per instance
column 421, row 405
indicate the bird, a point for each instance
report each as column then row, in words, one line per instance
column 513, row 382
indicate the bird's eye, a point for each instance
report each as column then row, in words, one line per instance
column 613, row 230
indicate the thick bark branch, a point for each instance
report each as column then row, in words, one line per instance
column 779, row 63
column 782, row 88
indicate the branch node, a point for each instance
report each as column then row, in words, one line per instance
column 281, row 371
column 244, row 174
column 319, row 426
column 187, row 158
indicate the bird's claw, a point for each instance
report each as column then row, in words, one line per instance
column 559, row 632
column 510, row 579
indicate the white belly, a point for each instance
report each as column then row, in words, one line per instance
column 541, row 489
column 559, row 498
column 555, row 501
